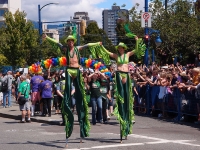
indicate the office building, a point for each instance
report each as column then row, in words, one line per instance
column 109, row 21
column 8, row 5
column 67, row 27
column 52, row 33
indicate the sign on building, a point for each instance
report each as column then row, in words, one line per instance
column 146, row 19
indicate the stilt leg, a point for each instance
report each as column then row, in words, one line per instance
column 120, row 134
column 66, row 146
column 81, row 140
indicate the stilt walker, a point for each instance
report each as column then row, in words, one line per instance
column 124, row 98
column 73, row 74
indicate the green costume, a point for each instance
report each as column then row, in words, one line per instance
column 124, row 103
column 81, row 104
column 124, row 96
column 80, row 95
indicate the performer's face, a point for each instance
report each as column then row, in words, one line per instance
column 70, row 43
column 121, row 50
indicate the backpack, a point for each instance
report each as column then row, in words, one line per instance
column 62, row 86
column 4, row 85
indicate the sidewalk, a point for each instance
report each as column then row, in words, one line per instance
column 14, row 113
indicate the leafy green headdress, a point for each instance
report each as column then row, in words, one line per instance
column 73, row 36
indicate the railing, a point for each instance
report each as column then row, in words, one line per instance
column 175, row 104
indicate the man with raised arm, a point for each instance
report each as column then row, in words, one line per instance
column 73, row 74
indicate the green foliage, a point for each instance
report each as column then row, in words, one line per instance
column 19, row 39
column 178, row 26
column 3, row 61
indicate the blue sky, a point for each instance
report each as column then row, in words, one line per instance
column 109, row 3
column 66, row 8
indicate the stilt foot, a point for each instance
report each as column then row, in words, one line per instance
column 120, row 141
column 66, row 146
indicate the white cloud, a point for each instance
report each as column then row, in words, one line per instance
column 63, row 11
column 141, row 2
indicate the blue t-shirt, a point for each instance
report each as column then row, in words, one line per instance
column 35, row 82
column 46, row 89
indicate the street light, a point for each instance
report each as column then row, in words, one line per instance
column 40, row 23
column 39, row 15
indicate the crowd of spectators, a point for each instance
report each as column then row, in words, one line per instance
column 169, row 91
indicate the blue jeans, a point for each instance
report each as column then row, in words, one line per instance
column 5, row 94
column 98, row 102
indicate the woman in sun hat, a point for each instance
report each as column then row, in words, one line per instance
column 124, row 101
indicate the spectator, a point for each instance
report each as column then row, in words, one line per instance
column 60, row 92
column 46, row 94
column 96, row 98
column 24, row 89
column 1, row 93
column 8, row 79
column 35, row 95
column 57, row 98
column 105, row 93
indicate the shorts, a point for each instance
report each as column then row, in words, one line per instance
column 26, row 106
column 110, row 102
column 123, row 75
column 35, row 96
column 73, row 72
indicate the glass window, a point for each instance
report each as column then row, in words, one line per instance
column 1, row 24
column 3, row 1
column 2, row 12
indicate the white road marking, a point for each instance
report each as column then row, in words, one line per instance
column 117, row 145
column 52, row 133
column 109, row 146
column 157, row 141
column 12, row 130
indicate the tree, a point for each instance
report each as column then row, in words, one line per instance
column 135, row 27
column 19, row 39
column 179, row 28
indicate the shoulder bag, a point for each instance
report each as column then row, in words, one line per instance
column 22, row 100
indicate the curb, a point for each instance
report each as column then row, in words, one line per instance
column 32, row 119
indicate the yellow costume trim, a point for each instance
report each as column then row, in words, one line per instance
column 123, row 75
column 72, row 72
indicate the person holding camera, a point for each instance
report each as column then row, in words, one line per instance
column 96, row 98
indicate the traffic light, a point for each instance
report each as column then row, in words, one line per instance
column 82, row 27
column 146, row 39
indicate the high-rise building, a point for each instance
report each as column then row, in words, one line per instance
column 8, row 5
column 52, row 33
column 78, row 16
column 109, row 21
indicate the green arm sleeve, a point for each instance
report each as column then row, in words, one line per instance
column 98, row 51
column 140, row 47
column 54, row 43
column 136, row 46
column 89, row 45
column 105, row 50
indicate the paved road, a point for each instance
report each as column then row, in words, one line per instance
column 148, row 134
